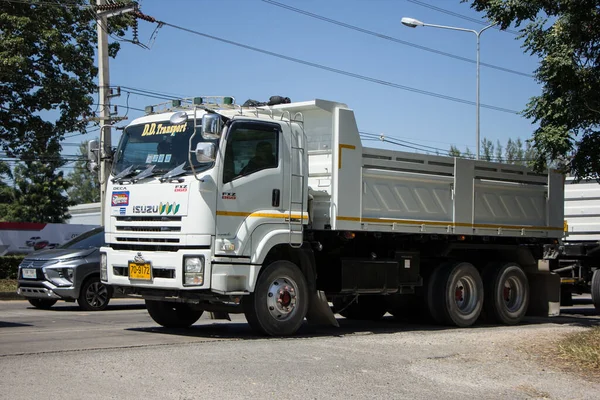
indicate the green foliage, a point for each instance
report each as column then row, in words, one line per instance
column 565, row 35
column 9, row 266
column 47, row 72
column 512, row 153
column 85, row 186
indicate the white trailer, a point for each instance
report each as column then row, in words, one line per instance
column 275, row 211
column 578, row 255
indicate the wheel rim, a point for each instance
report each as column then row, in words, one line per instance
column 513, row 293
column 465, row 295
column 96, row 294
column 282, row 298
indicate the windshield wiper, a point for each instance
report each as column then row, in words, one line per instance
column 178, row 170
column 144, row 174
column 123, row 174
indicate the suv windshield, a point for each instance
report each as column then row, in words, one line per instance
column 157, row 143
column 87, row 240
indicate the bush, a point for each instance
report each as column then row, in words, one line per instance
column 9, row 266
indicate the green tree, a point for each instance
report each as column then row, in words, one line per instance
column 454, row 151
column 47, row 73
column 85, row 186
column 499, row 157
column 487, row 150
column 565, row 35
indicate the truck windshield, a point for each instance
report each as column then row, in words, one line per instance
column 160, row 144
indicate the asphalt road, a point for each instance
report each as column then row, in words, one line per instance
column 121, row 353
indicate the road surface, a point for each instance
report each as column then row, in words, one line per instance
column 121, row 353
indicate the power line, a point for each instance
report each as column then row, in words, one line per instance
column 457, row 15
column 342, row 72
column 392, row 39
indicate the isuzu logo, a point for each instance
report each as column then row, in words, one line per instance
column 139, row 259
column 145, row 209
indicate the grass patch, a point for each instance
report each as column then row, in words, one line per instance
column 8, row 285
column 582, row 350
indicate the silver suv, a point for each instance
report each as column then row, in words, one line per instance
column 69, row 272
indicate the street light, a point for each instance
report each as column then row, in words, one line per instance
column 413, row 23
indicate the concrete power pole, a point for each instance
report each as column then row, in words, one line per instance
column 102, row 14
column 104, row 100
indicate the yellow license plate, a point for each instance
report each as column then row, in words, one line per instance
column 140, row 271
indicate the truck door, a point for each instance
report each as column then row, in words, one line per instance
column 251, row 183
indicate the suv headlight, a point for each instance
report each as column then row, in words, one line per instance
column 193, row 271
column 60, row 276
column 103, row 268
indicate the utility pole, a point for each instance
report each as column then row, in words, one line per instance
column 103, row 12
column 104, row 100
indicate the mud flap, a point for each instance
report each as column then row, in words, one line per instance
column 219, row 315
column 544, row 294
column 319, row 311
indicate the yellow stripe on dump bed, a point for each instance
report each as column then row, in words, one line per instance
column 446, row 223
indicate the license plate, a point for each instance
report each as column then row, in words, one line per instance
column 29, row 273
column 141, row 272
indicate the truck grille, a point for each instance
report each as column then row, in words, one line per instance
column 149, row 219
column 149, row 228
column 147, row 240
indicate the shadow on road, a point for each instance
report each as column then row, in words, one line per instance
column 239, row 329
column 4, row 324
column 110, row 307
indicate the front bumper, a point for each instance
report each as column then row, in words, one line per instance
column 45, row 290
column 222, row 277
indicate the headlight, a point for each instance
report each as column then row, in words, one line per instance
column 103, row 268
column 193, row 268
column 59, row 276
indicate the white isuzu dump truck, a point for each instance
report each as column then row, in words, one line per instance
column 277, row 211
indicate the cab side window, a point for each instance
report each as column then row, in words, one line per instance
column 251, row 147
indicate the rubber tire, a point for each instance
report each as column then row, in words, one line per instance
column 255, row 305
column 364, row 308
column 595, row 289
column 82, row 300
column 42, row 304
column 441, row 294
column 172, row 315
column 494, row 276
column 432, row 294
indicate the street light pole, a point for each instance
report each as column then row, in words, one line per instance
column 413, row 23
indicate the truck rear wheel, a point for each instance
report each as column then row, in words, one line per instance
column 172, row 315
column 280, row 300
column 367, row 307
column 595, row 289
column 455, row 294
column 506, row 293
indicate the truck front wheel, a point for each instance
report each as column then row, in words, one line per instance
column 455, row 294
column 172, row 315
column 280, row 300
column 595, row 289
column 506, row 293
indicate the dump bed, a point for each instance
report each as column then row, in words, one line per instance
column 356, row 188
column 582, row 211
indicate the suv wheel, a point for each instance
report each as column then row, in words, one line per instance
column 94, row 295
column 42, row 303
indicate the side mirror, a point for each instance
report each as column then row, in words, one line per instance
column 92, row 151
column 205, row 152
column 212, row 125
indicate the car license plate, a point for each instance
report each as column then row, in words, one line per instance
column 141, row 272
column 29, row 273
